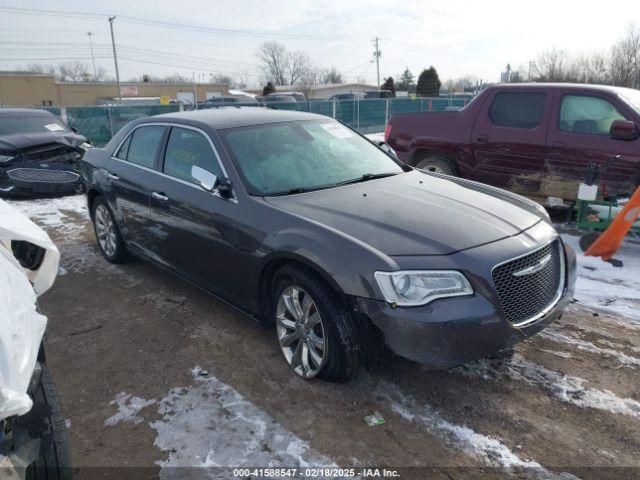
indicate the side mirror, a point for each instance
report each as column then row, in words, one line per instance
column 386, row 148
column 210, row 182
column 73, row 128
column 204, row 178
column 624, row 130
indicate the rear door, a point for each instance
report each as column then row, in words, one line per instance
column 130, row 173
column 509, row 139
column 196, row 226
column 579, row 135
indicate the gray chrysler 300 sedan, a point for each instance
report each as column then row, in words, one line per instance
column 304, row 224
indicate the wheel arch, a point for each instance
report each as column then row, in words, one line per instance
column 421, row 153
column 92, row 194
column 274, row 265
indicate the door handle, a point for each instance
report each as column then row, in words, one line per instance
column 112, row 177
column 160, row 196
column 483, row 138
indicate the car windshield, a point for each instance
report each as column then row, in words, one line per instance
column 30, row 123
column 632, row 97
column 292, row 157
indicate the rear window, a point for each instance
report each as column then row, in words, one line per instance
column 143, row 146
column 517, row 109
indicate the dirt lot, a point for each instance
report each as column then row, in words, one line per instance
column 155, row 373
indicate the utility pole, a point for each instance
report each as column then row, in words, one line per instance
column 93, row 60
column 377, row 55
column 115, row 58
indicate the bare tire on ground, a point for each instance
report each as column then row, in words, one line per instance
column 437, row 165
column 54, row 462
column 314, row 330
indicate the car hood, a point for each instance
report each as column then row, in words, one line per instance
column 19, row 141
column 414, row 213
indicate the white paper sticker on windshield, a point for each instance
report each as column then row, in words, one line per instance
column 337, row 130
column 54, row 127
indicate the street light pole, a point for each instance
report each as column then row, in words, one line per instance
column 115, row 58
column 93, row 60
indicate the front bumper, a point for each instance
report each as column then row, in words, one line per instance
column 453, row 331
column 25, row 186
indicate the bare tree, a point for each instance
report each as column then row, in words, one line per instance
column 330, row 76
column 275, row 62
column 69, row 72
column 298, row 65
column 624, row 60
column 550, row 65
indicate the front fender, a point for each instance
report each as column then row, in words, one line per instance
column 346, row 266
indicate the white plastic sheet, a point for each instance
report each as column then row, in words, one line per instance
column 21, row 326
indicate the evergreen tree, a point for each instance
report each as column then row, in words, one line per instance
column 428, row 83
column 268, row 88
column 389, row 85
column 406, row 83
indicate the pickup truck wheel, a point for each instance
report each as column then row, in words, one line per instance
column 437, row 165
column 315, row 332
column 107, row 233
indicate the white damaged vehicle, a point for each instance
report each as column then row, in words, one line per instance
column 33, row 434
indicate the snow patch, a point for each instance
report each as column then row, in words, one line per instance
column 488, row 449
column 558, row 337
column 212, row 425
column 128, row 409
column 56, row 213
column 607, row 288
column 566, row 388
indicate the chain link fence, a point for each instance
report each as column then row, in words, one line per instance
column 100, row 123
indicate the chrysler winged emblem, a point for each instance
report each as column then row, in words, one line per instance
column 533, row 268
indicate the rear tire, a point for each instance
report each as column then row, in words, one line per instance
column 54, row 462
column 340, row 360
column 107, row 233
column 437, row 164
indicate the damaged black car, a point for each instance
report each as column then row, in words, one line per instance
column 39, row 155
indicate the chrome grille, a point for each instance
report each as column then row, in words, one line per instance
column 42, row 175
column 529, row 285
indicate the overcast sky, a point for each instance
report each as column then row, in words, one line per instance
column 459, row 38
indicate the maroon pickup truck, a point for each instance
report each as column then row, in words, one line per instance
column 534, row 139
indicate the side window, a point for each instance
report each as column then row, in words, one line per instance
column 517, row 109
column 585, row 114
column 144, row 144
column 185, row 149
column 124, row 149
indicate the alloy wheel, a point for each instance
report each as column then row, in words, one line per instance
column 105, row 230
column 301, row 332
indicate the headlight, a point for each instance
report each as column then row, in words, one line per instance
column 5, row 158
column 419, row 287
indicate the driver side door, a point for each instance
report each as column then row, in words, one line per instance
column 195, row 227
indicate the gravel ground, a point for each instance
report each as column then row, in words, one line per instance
column 154, row 374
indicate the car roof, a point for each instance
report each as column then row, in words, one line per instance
column 231, row 117
column 558, row 86
column 35, row 111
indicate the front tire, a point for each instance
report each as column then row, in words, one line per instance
column 107, row 233
column 314, row 330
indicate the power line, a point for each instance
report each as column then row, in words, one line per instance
column 161, row 23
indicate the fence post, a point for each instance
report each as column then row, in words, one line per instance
column 386, row 112
column 110, row 120
column 430, row 104
column 63, row 115
column 334, row 109
column 358, row 113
